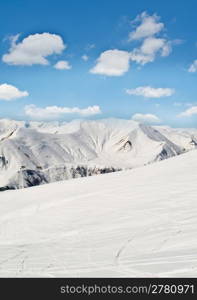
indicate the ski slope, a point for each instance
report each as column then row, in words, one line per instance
column 136, row 223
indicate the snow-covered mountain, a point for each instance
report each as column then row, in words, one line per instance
column 33, row 153
column 135, row 223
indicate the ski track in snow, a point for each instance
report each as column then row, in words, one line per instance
column 139, row 223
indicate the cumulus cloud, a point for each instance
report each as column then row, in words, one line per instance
column 112, row 63
column 62, row 65
column 189, row 112
column 148, row 26
column 150, row 48
column 151, row 45
column 193, row 67
column 55, row 112
column 9, row 92
column 34, row 49
column 146, row 118
column 150, row 92
column 85, row 57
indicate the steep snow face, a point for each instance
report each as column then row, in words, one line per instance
column 136, row 223
column 33, row 153
column 185, row 138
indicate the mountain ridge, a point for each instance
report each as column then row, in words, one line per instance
column 33, row 153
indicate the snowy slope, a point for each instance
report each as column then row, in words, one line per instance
column 33, row 153
column 185, row 138
column 140, row 222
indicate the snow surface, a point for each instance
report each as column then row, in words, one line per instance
column 136, row 223
column 33, row 153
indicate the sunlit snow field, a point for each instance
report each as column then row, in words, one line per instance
column 141, row 222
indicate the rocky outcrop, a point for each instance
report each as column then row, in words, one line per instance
column 27, row 178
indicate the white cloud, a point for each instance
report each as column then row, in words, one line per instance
column 112, row 63
column 146, row 118
column 166, row 48
column 193, row 67
column 150, row 92
column 55, row 112
column 13, row 39
column 189, row 112
column 149, row 26
column 85, row 57
column 62, row 65
column 34, row 49
column 140, row 58
column 150, row 47
column 9, row 92
column 147, row 30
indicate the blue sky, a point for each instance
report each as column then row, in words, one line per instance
column 95, row 59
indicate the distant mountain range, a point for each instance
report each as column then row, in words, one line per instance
column 33, row 153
